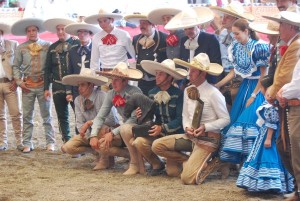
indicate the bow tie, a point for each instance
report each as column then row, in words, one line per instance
column 146, row 42
column 282, row 49
column 83, row 50
column 172, row 40
column 34, row 49
column 88, row 104
column 162, row 97
column 191, row 44
column 109, row 39
column 118, row 101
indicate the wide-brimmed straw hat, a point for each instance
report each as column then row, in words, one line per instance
column 235, row 9
column 51, row 24
column 121, row 70
column 74, row 27
column 167, row 66
column 93, row 19
column 202, row 62
column 270, row 27
column 190, row 17
column 290, row 16
column 155, row 16
column 5, row 28
column 86, row 75
column 19, row 27
column 135, row 18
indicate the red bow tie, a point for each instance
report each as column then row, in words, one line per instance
column 119, row 101
column 172, row 40
column 282, row 49
column 109, row 39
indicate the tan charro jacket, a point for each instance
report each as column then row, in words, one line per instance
column 8, row 57
column 285, row 67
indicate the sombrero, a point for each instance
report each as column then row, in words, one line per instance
column 167, row 66
column 93, row 19
column 155, row 16
column 74, row 27
column 51, row 24
column 135, row 18
column 270, row 27
column 19, row 27
column 86, row 75
column 121, row 70
column 290, row 16
column 5, row 28
column 201, row 62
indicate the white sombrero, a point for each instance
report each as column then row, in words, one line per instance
column 235, row 9
column 156, row 15
column 121, row 70
column 190, row 17
column 51, row 24
column 167, row 66
column 93, row 19
column 202, row 62
column 5, row 28
column 19, row 27
column 86, row 75
column 74, row 27
column 290, row 16
column 135, row 18
column 270, row 27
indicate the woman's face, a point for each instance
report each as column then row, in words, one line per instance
column 239, row 35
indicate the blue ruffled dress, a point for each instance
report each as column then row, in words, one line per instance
column 263, row 170
column 239, row 135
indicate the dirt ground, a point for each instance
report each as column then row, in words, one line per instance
column 41, row 175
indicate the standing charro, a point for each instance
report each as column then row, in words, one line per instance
column 9, row 93
column 29, row 69
column 57, row 64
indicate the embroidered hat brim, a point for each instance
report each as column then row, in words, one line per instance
column 74, row 27
column 19, row 27
column 75, row 79
column 226, row 10
column 132, row 74
column 212, row 69
column 152, row 66
column 156, row 15
column 93, row 19
column 51, row 24
column 5, row 28
column 135, row 18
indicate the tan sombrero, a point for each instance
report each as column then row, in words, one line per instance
column 155, row 16
column 93, row 19
column 235, row 9
column 74, row 27
column 5, row 28
column 135, row 18
column 270, row 27
column 86, row 75
column 19, row 27
column 51, row 24
column 202, row 62
column 167, row 66
column 190, row 17
column 121, row 70
column 290, row 16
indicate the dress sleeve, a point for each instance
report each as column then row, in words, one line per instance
column 261, row 55
column 272, row 117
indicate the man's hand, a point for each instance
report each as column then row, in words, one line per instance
column 189, row 131
column 24, row 88
column 69, row 98
column 138, row 112
column 13, row 85
column 108, row 137
column 268, row 96
column 155, row 130
column 200, row 131
column 94, row 143
column 47, row 94
column 282, row 101
column 84, row 128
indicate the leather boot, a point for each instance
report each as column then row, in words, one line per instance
column 105, row 162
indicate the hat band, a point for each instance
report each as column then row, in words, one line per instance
column 195, row 62
column 118, row 72
column 273, row 26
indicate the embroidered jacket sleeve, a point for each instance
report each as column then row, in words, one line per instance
column 80, row 119
column 48, row 67
column 261, row 55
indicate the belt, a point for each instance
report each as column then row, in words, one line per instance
column 4, row 80
column 294, row 102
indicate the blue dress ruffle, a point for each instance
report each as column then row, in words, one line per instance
column 263, row 170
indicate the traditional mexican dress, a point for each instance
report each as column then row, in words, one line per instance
column 239, row 135
column 263, row 169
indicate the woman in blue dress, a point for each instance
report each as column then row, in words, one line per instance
column 263, row 170
column 250, row 60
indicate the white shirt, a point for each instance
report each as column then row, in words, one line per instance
column 292, row 90
column 110, row 55
column 215, row 115
column 2, row 72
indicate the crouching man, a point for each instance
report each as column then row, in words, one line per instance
column 204, row 140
